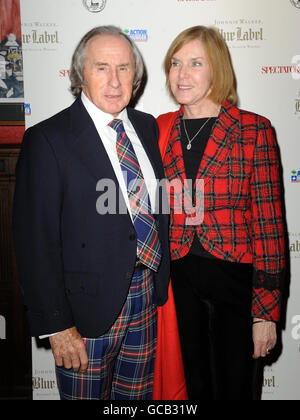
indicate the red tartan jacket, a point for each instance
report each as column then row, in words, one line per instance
column 242, row 219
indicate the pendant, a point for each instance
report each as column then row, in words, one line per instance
column 189, row 146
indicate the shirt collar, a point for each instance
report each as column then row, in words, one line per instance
column 100, row 118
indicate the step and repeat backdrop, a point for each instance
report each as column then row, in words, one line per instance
column 263, row 37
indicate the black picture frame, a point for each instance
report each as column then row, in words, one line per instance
column 12, row 113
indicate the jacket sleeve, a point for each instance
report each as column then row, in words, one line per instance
column 267, row 225
column 36, row 231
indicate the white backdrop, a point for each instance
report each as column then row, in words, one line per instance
column 263, row 37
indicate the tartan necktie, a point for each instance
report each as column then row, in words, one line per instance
column 148, row 244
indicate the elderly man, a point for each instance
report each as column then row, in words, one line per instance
column 92, row 279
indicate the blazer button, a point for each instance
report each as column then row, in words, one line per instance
column 56, row 313
column 132, row 236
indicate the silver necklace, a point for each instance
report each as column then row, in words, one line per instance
column 189, row 146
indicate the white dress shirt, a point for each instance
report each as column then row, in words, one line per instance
column 108, row 137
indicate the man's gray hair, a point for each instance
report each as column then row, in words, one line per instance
column 79, row 56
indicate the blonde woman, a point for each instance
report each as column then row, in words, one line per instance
column 225, row 271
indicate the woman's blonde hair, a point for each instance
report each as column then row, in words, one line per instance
column 223, row 81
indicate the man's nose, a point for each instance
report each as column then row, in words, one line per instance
column 114, row 78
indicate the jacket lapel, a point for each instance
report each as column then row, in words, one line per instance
column 87, row 144
column 221, row 140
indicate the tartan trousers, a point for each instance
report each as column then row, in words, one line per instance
column 121, row 361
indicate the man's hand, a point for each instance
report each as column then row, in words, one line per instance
column 69, row 350
column 264, row 337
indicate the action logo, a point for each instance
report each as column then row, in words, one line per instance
column 137, row 35
column 94, row 6
column 27, row 109
column 296, row 3
column 295, row 176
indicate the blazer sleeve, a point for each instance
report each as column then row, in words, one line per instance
column 267, row 225
column 36, row 230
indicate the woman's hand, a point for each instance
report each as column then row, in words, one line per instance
column 264, row 337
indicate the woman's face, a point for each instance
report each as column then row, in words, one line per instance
column 190, row 76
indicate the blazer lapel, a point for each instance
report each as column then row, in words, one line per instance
column 221, row 140
column 87, row 144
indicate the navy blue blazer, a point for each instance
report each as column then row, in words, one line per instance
column 76, row 265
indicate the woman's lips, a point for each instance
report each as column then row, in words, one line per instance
column 184, row 87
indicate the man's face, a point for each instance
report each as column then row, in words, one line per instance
column 108, row 73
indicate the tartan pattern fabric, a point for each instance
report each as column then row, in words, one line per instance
column 121, row 362
column 266, row 303
column 148, row 244
column 242, row 207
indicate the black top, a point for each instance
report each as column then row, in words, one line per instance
column 192, row 159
